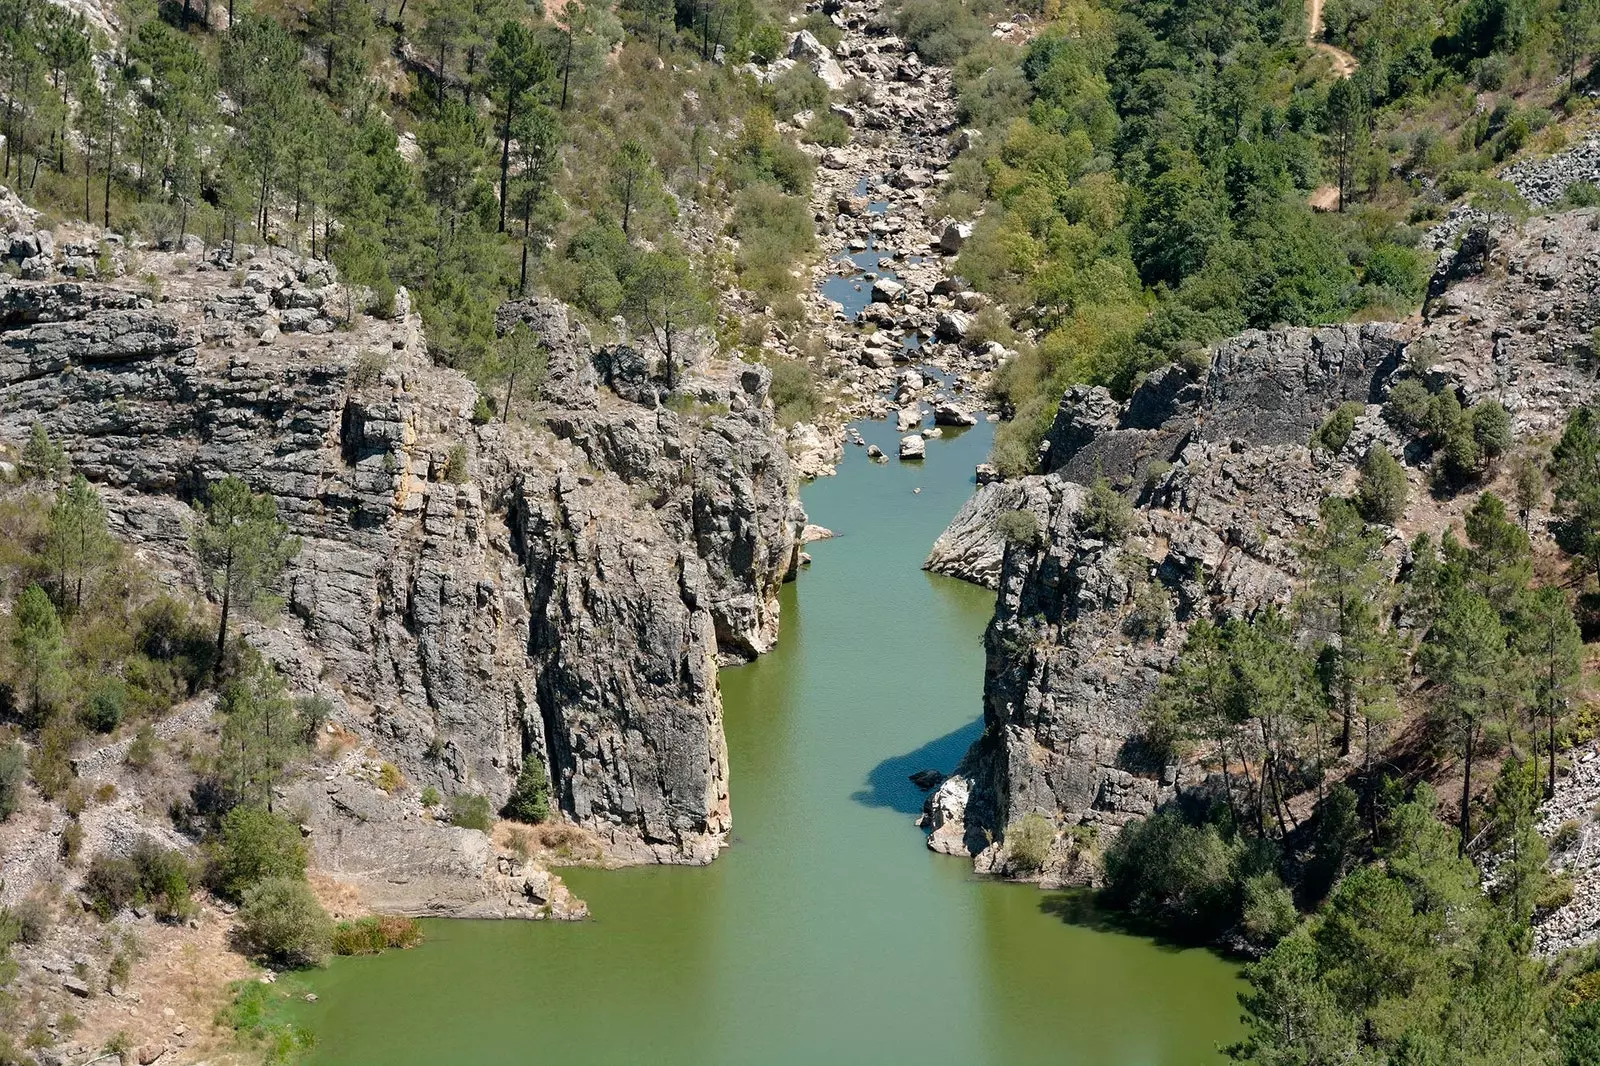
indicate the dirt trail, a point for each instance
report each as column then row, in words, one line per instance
column 1344, row 64
column 1326, row 198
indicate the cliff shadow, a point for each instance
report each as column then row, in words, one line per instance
column 889, row 782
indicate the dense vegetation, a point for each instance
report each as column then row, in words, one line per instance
column 98, row 649
column 1144, row 167
column 1391, row 927
column 467, row 151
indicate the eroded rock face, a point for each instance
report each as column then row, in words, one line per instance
column 469, row 596
column 1224, row 484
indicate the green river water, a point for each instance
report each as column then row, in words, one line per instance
column 827, row 932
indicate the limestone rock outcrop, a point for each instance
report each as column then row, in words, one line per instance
column 1223, row 482
column 562, row 586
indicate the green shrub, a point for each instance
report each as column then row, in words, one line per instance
column 106, row 705
column 253, row 845
column 375, row 934
column 1407, row 406
column 26, row 923
column 1581, row 194
column 313, row 713
column 13, row 772
column 282, row 921
column 940, row 31
column 1020, row 527
column 1107, row 515
column 1028, row 841
column 1565, row 836
column 794, row 392
column 455, row 467
column 1335, row 432
column 828, row 130
column 1183, row 877
column 431, row 797
column 166, row 880
column 150, row 876
column 142, row 751
column 111, row 884
column 766, row 42
column 1381, row 488
column 1268, row 913
column 530, row 799
column 1557, row 893
column 471, row 812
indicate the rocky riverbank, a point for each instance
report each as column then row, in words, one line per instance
column 1223, row 482
column 886, row 300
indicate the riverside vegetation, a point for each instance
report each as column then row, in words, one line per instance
column 1143, row 173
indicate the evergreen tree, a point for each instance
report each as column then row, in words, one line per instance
column 1468, row 660
column 77, row 543
column 663, row 295
column 242, row 546
column 518, row 67
column 634, row 179
column 39, row 643
column 1553, row 647
column 1575, row 464
column 1381, row 490
column 42, row 458
column 261, row 734
column 517, row 363
column 1340, row 604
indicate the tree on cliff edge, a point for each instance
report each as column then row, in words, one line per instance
column 242, row 546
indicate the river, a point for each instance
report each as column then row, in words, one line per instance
column 826, row 933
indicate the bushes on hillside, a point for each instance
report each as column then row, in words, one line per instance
column 153, row 876
column 1381, row 488
column 252, row 845
column 282, row 921
column 1189, row 878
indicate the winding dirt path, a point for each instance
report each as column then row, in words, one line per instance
column 1344, row 64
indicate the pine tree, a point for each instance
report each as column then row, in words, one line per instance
column 1340, row 604
column 260, row 733
column 1550, row 641
column 517, row 362
column 634, row 179
column 42, row 458
column 1575, row 465
column 242, row 546
column 1346, row 126
column 1468, row 660
column 663, row 295
column 518, row 67
column 40, row 646
column 77, row 543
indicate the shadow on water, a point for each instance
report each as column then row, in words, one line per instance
column 1082, row 908
column 889, row 785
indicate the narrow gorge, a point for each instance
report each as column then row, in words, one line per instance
column 851, row 531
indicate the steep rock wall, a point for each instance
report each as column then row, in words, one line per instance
column 1224, row 483
column 567, row 595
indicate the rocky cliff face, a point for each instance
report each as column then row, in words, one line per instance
column 561, row 587
column 1223, row 482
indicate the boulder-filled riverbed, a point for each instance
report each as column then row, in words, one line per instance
column 827, row 932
